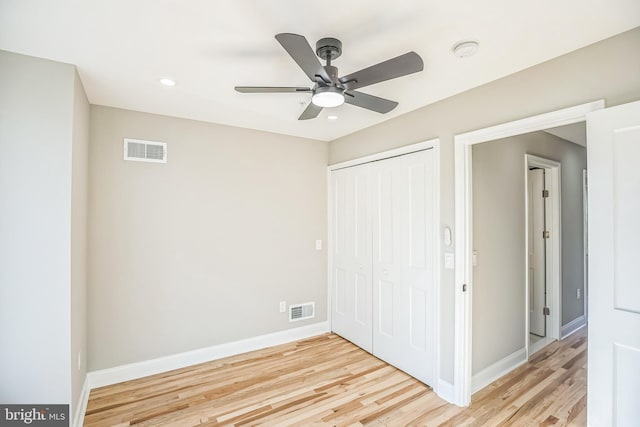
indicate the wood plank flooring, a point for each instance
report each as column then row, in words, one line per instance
column 327, row 381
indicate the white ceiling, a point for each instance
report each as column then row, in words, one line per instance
column 122, row 48
column 576, row 133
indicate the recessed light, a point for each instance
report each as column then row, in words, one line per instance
column 168, row 82
column 465, row 48
column 332, row 117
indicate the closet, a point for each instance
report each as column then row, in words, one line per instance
column 383, row 249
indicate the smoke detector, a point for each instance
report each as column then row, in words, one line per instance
column 465, row 48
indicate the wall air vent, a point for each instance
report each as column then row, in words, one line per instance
column 302, row 311
column 145, row 151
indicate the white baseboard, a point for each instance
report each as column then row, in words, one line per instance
column 573, row 326
column 498, row 369
column 81, row 404
column 446, row 390
column 539, row 345
column 132, row 371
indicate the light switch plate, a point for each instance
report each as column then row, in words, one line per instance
column 449, row 260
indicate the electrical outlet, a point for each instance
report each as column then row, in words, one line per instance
column 79, row 360
column 578, row 293
column 318, row 245
column 283, row 306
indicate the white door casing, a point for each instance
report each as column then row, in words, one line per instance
column 614, row 268
column 585, row 240
column 553, row 250
column 464, row 231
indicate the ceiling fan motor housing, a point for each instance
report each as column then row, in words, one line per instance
column 328, row 48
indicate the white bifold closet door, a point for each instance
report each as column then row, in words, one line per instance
column 384, row 260
column 351, row 305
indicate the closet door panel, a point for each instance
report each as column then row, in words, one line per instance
column 384, row 216
column 387, row 287
column 351, row 293
column 418, row 249
column 385, row 310
column 362, row 251
column 403, row 236
column 362, row 304
column 418, row 301
column 416, row 252
column 340, row 291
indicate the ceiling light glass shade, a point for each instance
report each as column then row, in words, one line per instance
column 327, row 97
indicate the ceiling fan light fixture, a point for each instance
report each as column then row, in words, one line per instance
column 327, row 97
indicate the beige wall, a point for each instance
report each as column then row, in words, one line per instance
column 79, row 208
column 37, row 136
column 199, row 251
column 499, row 238
column 608, row 69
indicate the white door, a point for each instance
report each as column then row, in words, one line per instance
column 351, row 269
column 403, row 263
column 614, row 266
column 537, row 253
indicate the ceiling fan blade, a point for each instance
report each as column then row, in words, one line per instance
column 270, row 89
column 369, row 102
column 311, row 112
column 396, row 67
column 299, row 49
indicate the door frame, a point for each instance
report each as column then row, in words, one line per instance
column 553, row 269
column 585, row 244
column 432, row 144
column 463, row 222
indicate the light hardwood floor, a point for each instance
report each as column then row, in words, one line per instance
column 328, row 381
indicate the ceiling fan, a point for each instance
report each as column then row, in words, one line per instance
column 329, row 90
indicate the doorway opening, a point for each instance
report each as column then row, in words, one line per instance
column 537, row 251
column 464, row 244
column 542, row 264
